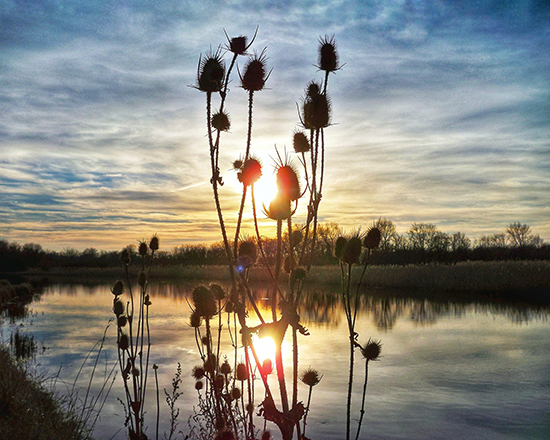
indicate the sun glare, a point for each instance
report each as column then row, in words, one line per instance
column 265, row 348
column 265, row 189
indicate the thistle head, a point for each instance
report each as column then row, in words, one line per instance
column 316, row 108
column 204, row 302
column 352, row 252
column 300, row 142
column 251, row 171
column 143, row 248
column 125, row 256
column 373, row 238
column 371, row 350
column 239, row 45
column 217, row 291
column 288, row 184
column 154, row 243
column 211, row 72
column 339, row 247
column 241, row 372
column 220, row 121
column 118, row 288
column 247, row 248
column 328, row 55
column 255, row 73
column 198, row 372
column 311, row 377
column 279, row 208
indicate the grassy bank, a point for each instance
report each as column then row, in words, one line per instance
column 28, row 410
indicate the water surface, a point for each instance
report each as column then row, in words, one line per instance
column 449, row 369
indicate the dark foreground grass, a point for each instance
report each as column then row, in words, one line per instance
column 28, row 410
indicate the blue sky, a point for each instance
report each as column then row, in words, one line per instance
column 441, row 114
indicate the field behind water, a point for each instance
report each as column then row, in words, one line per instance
column 472, row 276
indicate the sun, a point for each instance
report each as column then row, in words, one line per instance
column 265, row 189
column 264, row 347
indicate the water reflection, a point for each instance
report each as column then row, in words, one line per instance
column 451, row 368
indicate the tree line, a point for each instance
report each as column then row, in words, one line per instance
column 421, row 243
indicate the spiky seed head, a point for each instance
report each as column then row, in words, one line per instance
column 197, row 372
column 279, row 208
column 352, row 252
column 118, row 307
column 123, row 342
column 328, row 55
column 373, row 238
column 251, row 171
column 313, row 90
column 199, row 385
column 195, row 320
column 267, row 366
column 204, row 302
column 237, row 45
column 147, row 300
column 249, row 408
column 154, row 243
column 247, row 248
column 372, row 349
column 125, row 257
column 255, row 74
column 142, row 279
column 135, row 371
column 118, row 288
column 297, row 237
column 225, row 368
column 211, row 72
column 339, row 247
column 121, row 321
column 205, row 340
column 219, row 382
column 300, row 142
column 142, row 248
column 238, row 164
column 211, row 363
column 266, row 435
column 235, row 393
column 241, row 372
column 220, row 121
column 288, row 184
column 311, row 377
column 316, row 110
column 217, row 291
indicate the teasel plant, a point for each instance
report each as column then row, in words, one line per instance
column 133, row 336
column 293, row 257
column 356, row 251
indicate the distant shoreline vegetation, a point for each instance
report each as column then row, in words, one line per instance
column 423, row 243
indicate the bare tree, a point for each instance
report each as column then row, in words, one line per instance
column 459, row 242
column 387, row 231
column 518, row 235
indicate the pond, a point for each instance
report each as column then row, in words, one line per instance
column 449, row 369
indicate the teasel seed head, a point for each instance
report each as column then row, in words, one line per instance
column 123, row 342
column 297, row 237
column 217, row 291
column 219, row 382
column 316, row 108
column 154, row 243
column 328, row 55
column 247, row 248
column 211, row 72
column 198, row 372
column 300, row 142
column 195, row 320
column 220, row 121
column 251, row 171
column 235, row 393
column 352, row 253
column 199, row 385
column 267, row 366
column 122, row 320
column 288, row 184
column 339, row 247
column 241, row 372
column 142, row 248
column 204, row 302
column 373, row 238
column 118, row 307
column 249, row 408
column 266, row 435
column 239, row 45
column 255, row 74
column 372, row 349
column 279, row 208
column 125, row 257
column 311, row 377
column 142, row 279
column 118, row 288
column 238, row 164
column 225, row 368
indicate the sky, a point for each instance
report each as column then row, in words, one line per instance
column 440, row 114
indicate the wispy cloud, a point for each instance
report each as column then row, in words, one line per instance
column 441, row 114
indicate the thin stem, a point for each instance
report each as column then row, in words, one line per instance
column 363, row 399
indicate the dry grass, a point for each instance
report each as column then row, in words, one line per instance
column 27, row 410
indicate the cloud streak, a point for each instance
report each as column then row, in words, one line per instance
column 441, row 114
